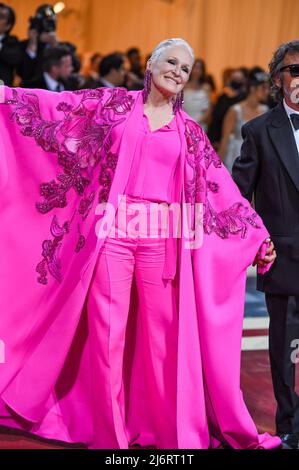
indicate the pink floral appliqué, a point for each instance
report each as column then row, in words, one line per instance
column 200, row 156
column 81, row 141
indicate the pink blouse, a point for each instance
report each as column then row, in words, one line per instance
column 154, row 162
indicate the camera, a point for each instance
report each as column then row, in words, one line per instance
column 44, row 19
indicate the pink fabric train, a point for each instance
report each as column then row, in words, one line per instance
column 59, row 159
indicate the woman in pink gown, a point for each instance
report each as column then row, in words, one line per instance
column 115, row 335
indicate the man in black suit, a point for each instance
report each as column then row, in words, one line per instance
column 42, row 37
column 268, row 168
column 112, row 71
column 10, row 52
column 57, row 70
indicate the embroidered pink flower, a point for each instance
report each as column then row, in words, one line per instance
column 120, row 101
column 213, row 187
column 77, row 140
column 232, row 221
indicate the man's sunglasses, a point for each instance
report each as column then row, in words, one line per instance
column 293, row 68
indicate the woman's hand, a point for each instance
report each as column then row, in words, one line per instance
column 268, row 257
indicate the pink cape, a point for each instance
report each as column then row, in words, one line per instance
column 57, row 163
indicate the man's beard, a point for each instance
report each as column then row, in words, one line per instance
column 293, row 91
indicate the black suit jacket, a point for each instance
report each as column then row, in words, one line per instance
column 10, row 57
column 92, row 83
column 37, row 82
column 40, row 82
column 268, row 168
column 30, row 68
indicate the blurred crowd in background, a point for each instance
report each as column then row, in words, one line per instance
column 43, row 61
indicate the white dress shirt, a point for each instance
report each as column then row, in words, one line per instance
column 290, row 111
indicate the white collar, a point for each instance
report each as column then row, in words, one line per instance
column 2, row 36
column 51, row 82
column 288, row 109
column 106, row 83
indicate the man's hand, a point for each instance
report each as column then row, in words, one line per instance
column 269, row 257
column 49, row 38
column 32, row 36
column 32, row 41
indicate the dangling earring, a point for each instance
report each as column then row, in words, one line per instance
column 147, row 84
column 178, row 102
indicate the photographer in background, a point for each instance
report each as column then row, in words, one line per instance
column 41, row 37
column 10, row 53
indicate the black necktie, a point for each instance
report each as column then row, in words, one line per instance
column 295, row 120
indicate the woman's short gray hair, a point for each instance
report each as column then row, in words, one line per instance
column 276, row 63
column 160, row 48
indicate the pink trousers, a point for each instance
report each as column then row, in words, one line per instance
column 148, row 415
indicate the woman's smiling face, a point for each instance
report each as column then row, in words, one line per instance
column 170, row 72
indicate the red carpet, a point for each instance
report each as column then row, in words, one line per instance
column 255, row 382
